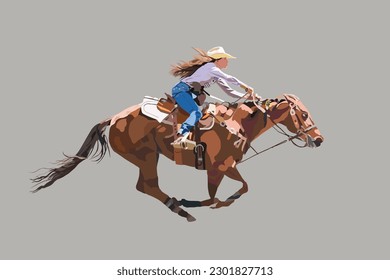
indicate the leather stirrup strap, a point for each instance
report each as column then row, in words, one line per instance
column 200, row 150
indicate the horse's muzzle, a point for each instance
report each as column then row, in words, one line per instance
column 318, row 141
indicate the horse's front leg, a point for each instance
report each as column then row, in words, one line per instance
column 234, row 174
column 214, row 178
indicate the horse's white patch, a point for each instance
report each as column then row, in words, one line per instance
column 123, row 114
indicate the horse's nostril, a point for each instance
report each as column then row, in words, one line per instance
column 318, row 142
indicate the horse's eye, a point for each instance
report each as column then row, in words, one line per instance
column 305, row 116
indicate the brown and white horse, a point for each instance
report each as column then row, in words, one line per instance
column 140, row 139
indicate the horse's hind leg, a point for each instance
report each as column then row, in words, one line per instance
column 148, row 182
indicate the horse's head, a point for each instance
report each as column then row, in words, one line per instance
column 299, row 121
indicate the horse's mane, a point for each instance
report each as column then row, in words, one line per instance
column 251, row 104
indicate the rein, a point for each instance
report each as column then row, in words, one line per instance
column 290, row 138
column 269, row 148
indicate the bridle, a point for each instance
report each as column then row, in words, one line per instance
column 298, row 125
column 292, row 102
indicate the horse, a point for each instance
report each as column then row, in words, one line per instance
column 140, row 140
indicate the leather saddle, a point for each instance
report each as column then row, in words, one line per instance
column 168, row 105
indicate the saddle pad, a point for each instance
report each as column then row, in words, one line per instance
column 149, row 108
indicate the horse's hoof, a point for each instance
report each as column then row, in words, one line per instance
column 222, row 204
column 214, row 204
column 190, row 218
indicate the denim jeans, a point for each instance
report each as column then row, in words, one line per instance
column 181, row 93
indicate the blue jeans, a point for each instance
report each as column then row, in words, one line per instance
column 181, row 93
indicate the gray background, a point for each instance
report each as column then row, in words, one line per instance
column 67, row 65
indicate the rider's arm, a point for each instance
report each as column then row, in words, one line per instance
column 223, row 79
column 227, row 89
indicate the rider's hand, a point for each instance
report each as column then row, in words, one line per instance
column 249, row 90
column 258, row 96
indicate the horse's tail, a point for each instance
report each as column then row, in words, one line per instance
column 66, row 165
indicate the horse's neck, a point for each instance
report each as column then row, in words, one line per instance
column 249, row 119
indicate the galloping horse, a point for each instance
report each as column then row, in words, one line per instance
column 140, row 139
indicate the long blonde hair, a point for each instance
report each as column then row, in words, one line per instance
column 187, row 68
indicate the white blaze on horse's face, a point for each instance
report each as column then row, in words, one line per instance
column 302, row 122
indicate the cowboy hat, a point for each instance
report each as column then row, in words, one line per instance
column 218, row 52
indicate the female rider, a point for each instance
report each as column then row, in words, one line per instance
column 203, row 70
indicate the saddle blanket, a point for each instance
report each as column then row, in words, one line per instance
column 149, row 108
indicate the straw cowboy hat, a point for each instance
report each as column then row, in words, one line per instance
column 218, row 52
